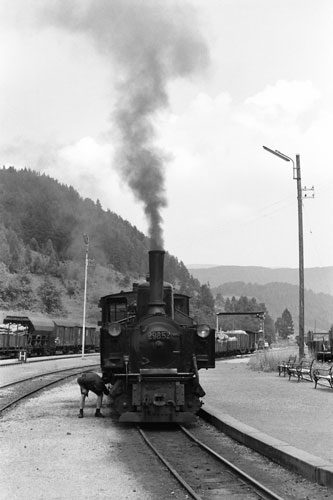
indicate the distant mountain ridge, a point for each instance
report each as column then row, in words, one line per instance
column 200, row 266
column 317, row 279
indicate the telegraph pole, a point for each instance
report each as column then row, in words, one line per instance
column 301, row 257
column 297, row 177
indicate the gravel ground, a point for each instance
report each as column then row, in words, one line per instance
column 47, row 453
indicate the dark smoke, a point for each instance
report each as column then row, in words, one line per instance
column 152, row 42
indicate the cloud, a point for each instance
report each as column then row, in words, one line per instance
column 65, row 73
column 151, row 43
column 86, row 153
column 284, row 104
column 86, row 165
column 293, row 98
column 225, row 185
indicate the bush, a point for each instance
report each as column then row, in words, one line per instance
column 50, row 297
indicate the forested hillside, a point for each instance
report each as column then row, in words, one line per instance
column 42, row 252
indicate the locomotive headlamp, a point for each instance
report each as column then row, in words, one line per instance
column 114, row 329
column 203, row 331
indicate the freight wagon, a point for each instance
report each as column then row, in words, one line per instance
column 234, row 342
column 13, row 338
column 40, row 336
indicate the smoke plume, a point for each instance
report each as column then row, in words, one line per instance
column 150, row 42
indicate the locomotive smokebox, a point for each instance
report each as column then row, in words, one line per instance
column 156, row 274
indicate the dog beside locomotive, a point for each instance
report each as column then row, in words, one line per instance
column 152, row 350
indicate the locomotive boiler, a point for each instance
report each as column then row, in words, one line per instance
column 152, row 350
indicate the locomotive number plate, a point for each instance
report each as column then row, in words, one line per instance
column 159, row 335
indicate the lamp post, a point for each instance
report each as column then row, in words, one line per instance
column 297, row 177
column 86, row 241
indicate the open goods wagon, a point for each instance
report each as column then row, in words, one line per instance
column 13, row 338
column 40, row 336
column 234, row 342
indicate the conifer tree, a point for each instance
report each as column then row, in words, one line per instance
column 285, row 325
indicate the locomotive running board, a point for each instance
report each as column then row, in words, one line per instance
column 183, row 417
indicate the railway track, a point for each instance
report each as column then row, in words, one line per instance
column 15, row 392
column 204, row 473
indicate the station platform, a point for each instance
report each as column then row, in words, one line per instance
column 288, row 421
column 13, row 371
column 17, row 361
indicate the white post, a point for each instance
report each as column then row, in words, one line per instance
column 86, row 240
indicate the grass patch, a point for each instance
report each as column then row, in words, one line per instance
column 269, row 360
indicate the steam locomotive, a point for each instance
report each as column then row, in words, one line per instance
column 152, row 350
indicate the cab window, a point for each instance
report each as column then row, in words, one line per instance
column 117, row 310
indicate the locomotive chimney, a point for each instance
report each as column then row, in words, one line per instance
column 156, row 272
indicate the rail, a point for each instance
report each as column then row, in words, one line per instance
column 30, row 386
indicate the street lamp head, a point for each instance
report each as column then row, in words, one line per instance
column 278, row 153
column 86, row 239
column 283, row 156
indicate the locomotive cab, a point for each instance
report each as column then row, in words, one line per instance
column 143, row 302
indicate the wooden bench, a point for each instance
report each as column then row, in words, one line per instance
column 284, row 365
column 323, row 373
column 303, row 370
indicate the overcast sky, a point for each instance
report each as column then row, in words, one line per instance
column 229, row 77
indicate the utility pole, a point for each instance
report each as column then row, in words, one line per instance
column 301, row 257
column 297, row 177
